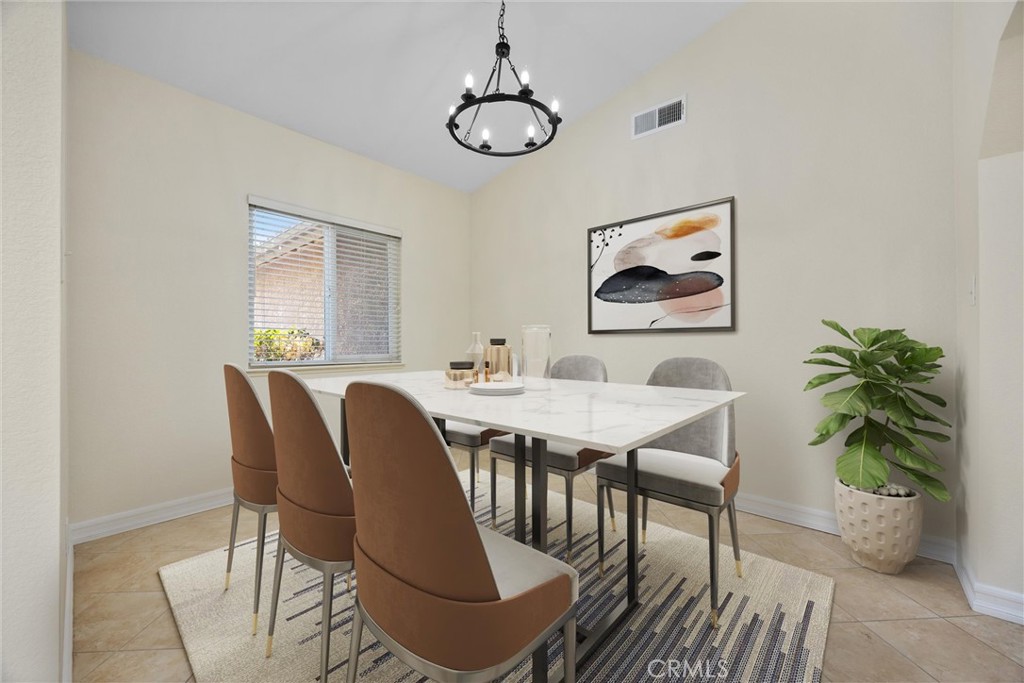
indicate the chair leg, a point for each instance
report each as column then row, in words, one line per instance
column 472, row 479
column 611, row 507
column 231, row 543
column 568, row 517
column 278, row 570
column 600, row 530
column 734, row 532
column 569, row 651
column 494, row 494
column 713, row 521
column 353, row 648
column 643, row 522
column 325, row 642
column 261, row 539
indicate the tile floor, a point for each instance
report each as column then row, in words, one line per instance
column 916, row 626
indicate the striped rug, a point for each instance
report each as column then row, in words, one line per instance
column 773, row 623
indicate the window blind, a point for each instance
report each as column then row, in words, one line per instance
column 321, row 292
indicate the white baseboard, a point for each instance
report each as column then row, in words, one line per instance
column 933, row 547
column 92, row 529
column 991, row 600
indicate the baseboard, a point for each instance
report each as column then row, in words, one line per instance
column 991, row 600
column 92, row 529
column 933, row 547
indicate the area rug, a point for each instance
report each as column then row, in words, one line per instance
column 773, row 622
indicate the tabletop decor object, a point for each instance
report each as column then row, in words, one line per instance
column 878, row 520
column 536, row 356
column 532, row 110
column 665, row 272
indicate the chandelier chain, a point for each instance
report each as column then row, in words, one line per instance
column 501, row 24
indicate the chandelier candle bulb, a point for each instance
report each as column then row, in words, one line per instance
column 526, row 78
column 554, row 106
column 469, row 83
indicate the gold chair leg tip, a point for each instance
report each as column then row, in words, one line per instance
column 714, row 618
column 643, row 536
column 270, row 645
column 348, row 583
column 739, row 568
column 600, row 568
column 613, row 525
column 227, row 580
column 255, row 621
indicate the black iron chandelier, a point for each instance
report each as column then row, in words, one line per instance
column 540, row 112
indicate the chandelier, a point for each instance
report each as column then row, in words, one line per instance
column 547, row 118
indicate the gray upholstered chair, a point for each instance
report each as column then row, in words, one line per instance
column 471, row 438
column 253, row 468
column 454, row 601
column 314, row 498
column 696, row 466
column 563, row 459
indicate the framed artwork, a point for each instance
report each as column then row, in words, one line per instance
column 667, row 272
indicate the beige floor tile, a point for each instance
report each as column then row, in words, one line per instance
column 1004, row 636
column 854, row 653
column 155, row 666
column 802, row 550
column 114, row 619
column 754, row 524
column 840, row 615
column 83, row 663
column 867, row 596
column 117, row 572
column 935, row 586
column 107, row 544
column 161, row 634
column 946, row 652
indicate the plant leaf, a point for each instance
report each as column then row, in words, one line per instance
column 937, row 400
column 825, row 361
column 915, row 460
column 874, row 357
column 866, row 335
column 921, row 412
column 824, row 379
column 898, row 410
column 934, row 436
column 932, row 486
column 838, row 328
column 916, row 441
column 925, row 355
column 846, row 354
column 862, row 465
column 892, row 338
column 853, row 400
column 833, row 424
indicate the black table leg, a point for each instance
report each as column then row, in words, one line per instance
column 540, row 493
column 344, row 434
column 632, row 573
column 540, row 664
column 520, row 487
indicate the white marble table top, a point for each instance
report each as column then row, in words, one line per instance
column 608, row 417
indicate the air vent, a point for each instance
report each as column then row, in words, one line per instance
column 663, row 116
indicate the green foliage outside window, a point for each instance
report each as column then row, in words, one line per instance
column 286, row 345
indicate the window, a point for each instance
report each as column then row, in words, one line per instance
column 321, row 291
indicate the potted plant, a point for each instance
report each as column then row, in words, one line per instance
column 880, row 521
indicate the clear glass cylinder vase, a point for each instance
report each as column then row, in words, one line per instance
column 536, row 356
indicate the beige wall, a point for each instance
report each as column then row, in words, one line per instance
column 990, row 525
column 32, row 543
column 158, row 273
column 831, row 124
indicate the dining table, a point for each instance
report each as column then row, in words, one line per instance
column 604, row 416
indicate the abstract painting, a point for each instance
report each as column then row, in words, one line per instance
column 667, row 272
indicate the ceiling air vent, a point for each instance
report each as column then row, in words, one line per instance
column 664, row 115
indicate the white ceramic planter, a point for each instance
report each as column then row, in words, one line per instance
column 883, row 532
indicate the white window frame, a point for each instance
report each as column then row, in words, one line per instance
column 330, row 302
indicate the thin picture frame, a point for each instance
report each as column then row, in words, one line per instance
column 672, row 271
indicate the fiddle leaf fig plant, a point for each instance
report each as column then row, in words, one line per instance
column 885, row 403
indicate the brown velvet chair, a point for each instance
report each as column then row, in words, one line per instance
column 253, row 468
column 695, row 467
column 451, row 599
column 314, row 497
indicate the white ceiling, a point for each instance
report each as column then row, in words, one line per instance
column 377, row 78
